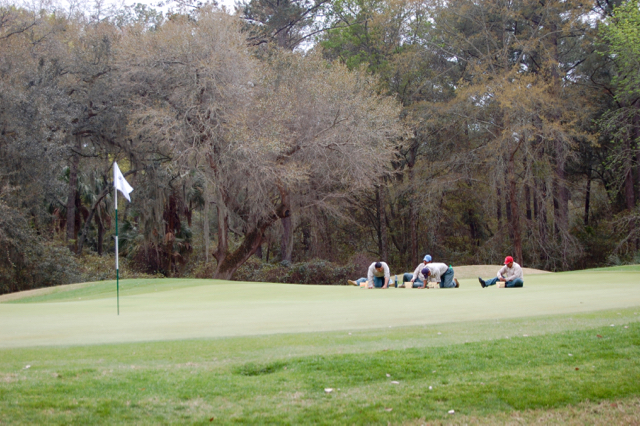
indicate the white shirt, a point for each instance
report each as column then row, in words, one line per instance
column 437, row 270
column 373, row 272
column 512, row 273
column 417, row 274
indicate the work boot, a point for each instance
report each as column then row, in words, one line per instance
column 482, row 282
column 457, row 283
column 351, row 282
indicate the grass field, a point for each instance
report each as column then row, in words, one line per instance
column 565, row 349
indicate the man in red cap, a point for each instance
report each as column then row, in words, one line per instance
column 510, row 274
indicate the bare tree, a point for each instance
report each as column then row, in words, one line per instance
column 316, row 135
column 291, row 134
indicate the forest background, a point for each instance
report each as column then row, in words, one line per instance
column 299, row 140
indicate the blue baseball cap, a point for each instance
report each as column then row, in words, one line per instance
column 426, row 272
column 427, row 258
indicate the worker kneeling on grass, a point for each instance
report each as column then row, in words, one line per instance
column 442, row 273
column 378, row 276
column 510, row 274
column 416, row 280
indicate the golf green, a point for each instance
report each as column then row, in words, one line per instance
column 173, row 309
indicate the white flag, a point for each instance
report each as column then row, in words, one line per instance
column 120, row 183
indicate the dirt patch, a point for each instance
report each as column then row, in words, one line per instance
column 605, row 413
column 8, row 378
column 488, row 271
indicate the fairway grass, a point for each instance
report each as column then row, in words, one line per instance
column 563, row 350
column 170, row 309
column 252, row 380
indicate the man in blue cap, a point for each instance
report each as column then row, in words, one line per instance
column 416, row 279
column 442, row 273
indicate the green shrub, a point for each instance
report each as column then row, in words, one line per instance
column 28, row 261
column 202, row 269
column 99, row 268
column 312, row 272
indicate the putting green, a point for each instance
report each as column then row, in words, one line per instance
column 172, row 309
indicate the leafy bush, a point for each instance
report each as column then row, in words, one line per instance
column 312, row 272
column 99, row 268
column 203, row 269
column 28, row 261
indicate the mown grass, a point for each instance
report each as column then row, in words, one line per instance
column 620, row 268
column 573, row 368
column 105, row 289
column 204, row 382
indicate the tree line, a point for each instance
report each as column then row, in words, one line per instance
column 297, row 130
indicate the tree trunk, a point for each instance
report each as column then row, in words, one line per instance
column 587, row 197
column 172, row 225
column 508, row 205
column 250, row 244
column 527, row 201
column 499, row 205
column 268, row 247
column 536, row 203
column 635, row 134
column 100, row 224
column 383, row 239
column 636, row 143
column 326, row 235
column 85, row 229
column 413, row 223
column 560, row 190
column 205, row 227
column 629, row 195
column 306, row 240
column 540, row 203
column 228, row 263
column 223, row 228
column 541, row 215
column 286, row 243
column 72, row 195
column 560, row 195
column 514, row 223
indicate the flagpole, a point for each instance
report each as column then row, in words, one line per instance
column 119, row 184
column 117, row 268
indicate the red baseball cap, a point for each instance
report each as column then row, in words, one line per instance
column 508, row 260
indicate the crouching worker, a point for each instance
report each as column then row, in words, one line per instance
column 378, row 276
column 442, row 274
column 417, row 279
column 510, row 274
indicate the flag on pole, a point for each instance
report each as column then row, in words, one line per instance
column 120, row 183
